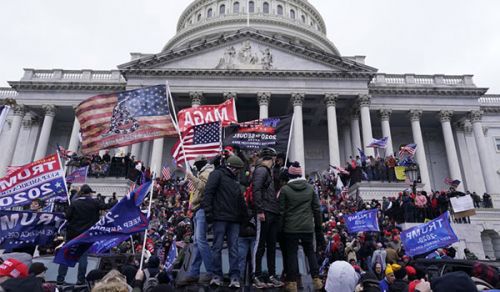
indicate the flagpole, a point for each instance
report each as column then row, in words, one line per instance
column 176, row 126
column 149, row 218
column 64, row 178
column 289, row 139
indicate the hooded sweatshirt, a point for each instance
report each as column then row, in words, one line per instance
column 299, row 207
column 341, row 277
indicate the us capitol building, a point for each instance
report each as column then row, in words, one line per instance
column 283, row 63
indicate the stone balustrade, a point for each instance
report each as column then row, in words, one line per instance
column 58, row 75
column 490, row 100
column 383, row 79
column 6, row 92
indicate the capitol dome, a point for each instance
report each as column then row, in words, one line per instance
column 294, row 21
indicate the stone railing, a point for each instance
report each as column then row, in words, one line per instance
column 383, row 79
column 490, row 100
column 59, row 75
column 6, row 92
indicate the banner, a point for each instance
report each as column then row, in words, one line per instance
column 429, row 236
column 362, row 221
column 194, row 116
column 78, row 176
column 255, row 135
column 25, row 228
column 42, row 179
column 400, row 172
column 123, row 220
column 461, row 204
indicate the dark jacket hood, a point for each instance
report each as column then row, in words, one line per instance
column 298, row 184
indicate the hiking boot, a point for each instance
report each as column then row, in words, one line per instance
column 189, row 280
column 291, row 287
column 317, row 284
column 257, row 283
column 216, row 281
column 273, row 282
column 235, row 283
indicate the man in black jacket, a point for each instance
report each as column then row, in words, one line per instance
column 83, row 213
column 268, row 217
column 225, row 206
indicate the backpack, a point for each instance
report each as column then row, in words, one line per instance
column 149, row 282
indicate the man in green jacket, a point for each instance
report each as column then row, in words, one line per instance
column 301, row 217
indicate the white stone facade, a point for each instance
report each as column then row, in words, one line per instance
column 282, row 63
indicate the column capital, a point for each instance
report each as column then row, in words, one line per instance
column 264, row 98
column 19, row 110
column 364, row 100
column 298, row 99
column 8, row 101
column 475, row 116
column 415, row 115
column 331, row 99
column 49, row 110
column 196, row 97
column 355, row 114
column 229, row 95
column 385, row 114
column 29, row 121
column 445, row 116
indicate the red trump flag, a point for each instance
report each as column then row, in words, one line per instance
column 225, row 113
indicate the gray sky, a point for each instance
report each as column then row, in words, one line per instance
column 397, row 36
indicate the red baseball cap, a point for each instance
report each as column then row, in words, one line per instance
column 13, row 268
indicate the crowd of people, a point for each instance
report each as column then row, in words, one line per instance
column 257, row 205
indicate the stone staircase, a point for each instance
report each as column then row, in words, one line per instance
column 377, row 190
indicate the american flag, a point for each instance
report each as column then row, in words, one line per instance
column 190, row 186
column 165, row 172
column 379, row 143
column 203, row 139
column 341, row 170
column 124, row 118
column 407, row 150
column 65, row 154
column 452, row 182
column 4, row 111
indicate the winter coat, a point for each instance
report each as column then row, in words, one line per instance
column 223, row 200
column 199, row 183
column 351, row 249
column 399, row 286
column 264, row 195
column 299, row 207
column 82, row 214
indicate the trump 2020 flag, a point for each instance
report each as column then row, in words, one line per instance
column 42, row 179
column 78, row 176
column 429, row 236
column 362, row 221
column 25, row 228
column 123, row 220
column 124, row 118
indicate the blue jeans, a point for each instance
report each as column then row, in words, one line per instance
column 245, row 244
column 202, row 252
column 231, row 230
column 82, row 270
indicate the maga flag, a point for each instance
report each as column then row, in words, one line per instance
column 124, row 118
column 254, row 135
column 225, row 113
column 123, row 220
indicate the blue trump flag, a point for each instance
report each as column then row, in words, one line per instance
column 362, row 221
column 78, row 176
column 429, row 236
column 25, row 228
column 123, row 220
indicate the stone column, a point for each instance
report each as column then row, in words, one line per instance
column 8, row 153
column 484, row 157
column 145, row 152
column 298, row 129
column 366, row 123
column 229, row 95
column 43, row 140
column 333, row 132
column 264, row 98
column 385, row 116
column 157, row 156
column 451, row 150
column 473, row 156
column 136, row 150
column 74, row 141
column 196, row 98
column 346, row 134
column 355, row 133
column 415, row 116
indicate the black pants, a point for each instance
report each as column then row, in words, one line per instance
column 292, row 246
column 267, row 233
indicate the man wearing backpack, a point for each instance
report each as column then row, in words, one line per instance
column 268, row 209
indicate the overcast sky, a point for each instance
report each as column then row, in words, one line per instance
column 397, row 36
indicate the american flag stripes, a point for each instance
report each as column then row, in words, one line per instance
column 124, row 118
column 165, row 172
column 407, row 150
column 190, row 186
column 379, row 143
column 203, row 139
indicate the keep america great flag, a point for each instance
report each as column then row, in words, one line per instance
column 124, row 118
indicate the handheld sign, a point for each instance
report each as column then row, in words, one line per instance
column 194, row 116
column 362, row 221
column 429, row 236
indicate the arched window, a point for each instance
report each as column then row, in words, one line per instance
column 251, row 7
column 222, row 9
column 280, row 10
column 209, row 13
column 292, row 14
column 199, row 17
column 236, row 7
column 303, row 18
column 265, row 8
